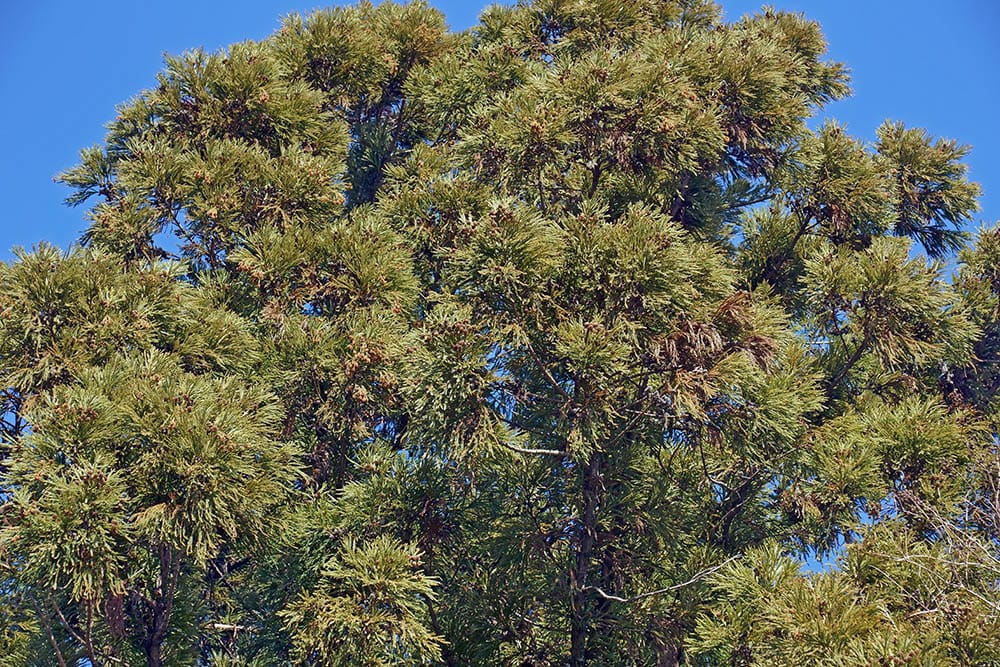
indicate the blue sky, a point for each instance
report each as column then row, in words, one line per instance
column 67, row 64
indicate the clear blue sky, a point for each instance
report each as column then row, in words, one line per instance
column 67, row 64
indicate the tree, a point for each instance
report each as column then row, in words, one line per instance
column 561, row 341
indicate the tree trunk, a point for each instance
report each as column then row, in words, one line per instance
column 161, row 606
column 154, row 655
column 581, row 621
column 668, row 655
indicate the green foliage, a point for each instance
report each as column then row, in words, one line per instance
column 561, row 341
column 367, row 609
column 932, row 196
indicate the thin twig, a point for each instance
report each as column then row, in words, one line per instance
column 660, row 591
column 525, row 450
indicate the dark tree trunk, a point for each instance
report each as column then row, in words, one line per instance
column 668, row 655
column 581, row 595
column 160, row 606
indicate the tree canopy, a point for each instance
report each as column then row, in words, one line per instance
column 577, row 338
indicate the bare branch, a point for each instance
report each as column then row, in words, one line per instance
column 660, row 591
column 228, row 627
column 525, row 450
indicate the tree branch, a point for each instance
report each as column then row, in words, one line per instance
column 660, row 591
column 525, row 450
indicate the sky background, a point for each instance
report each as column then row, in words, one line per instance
column 67, row 64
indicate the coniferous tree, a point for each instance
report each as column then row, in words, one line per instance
column 562, row 341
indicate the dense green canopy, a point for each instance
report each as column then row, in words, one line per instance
column 573, row 339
